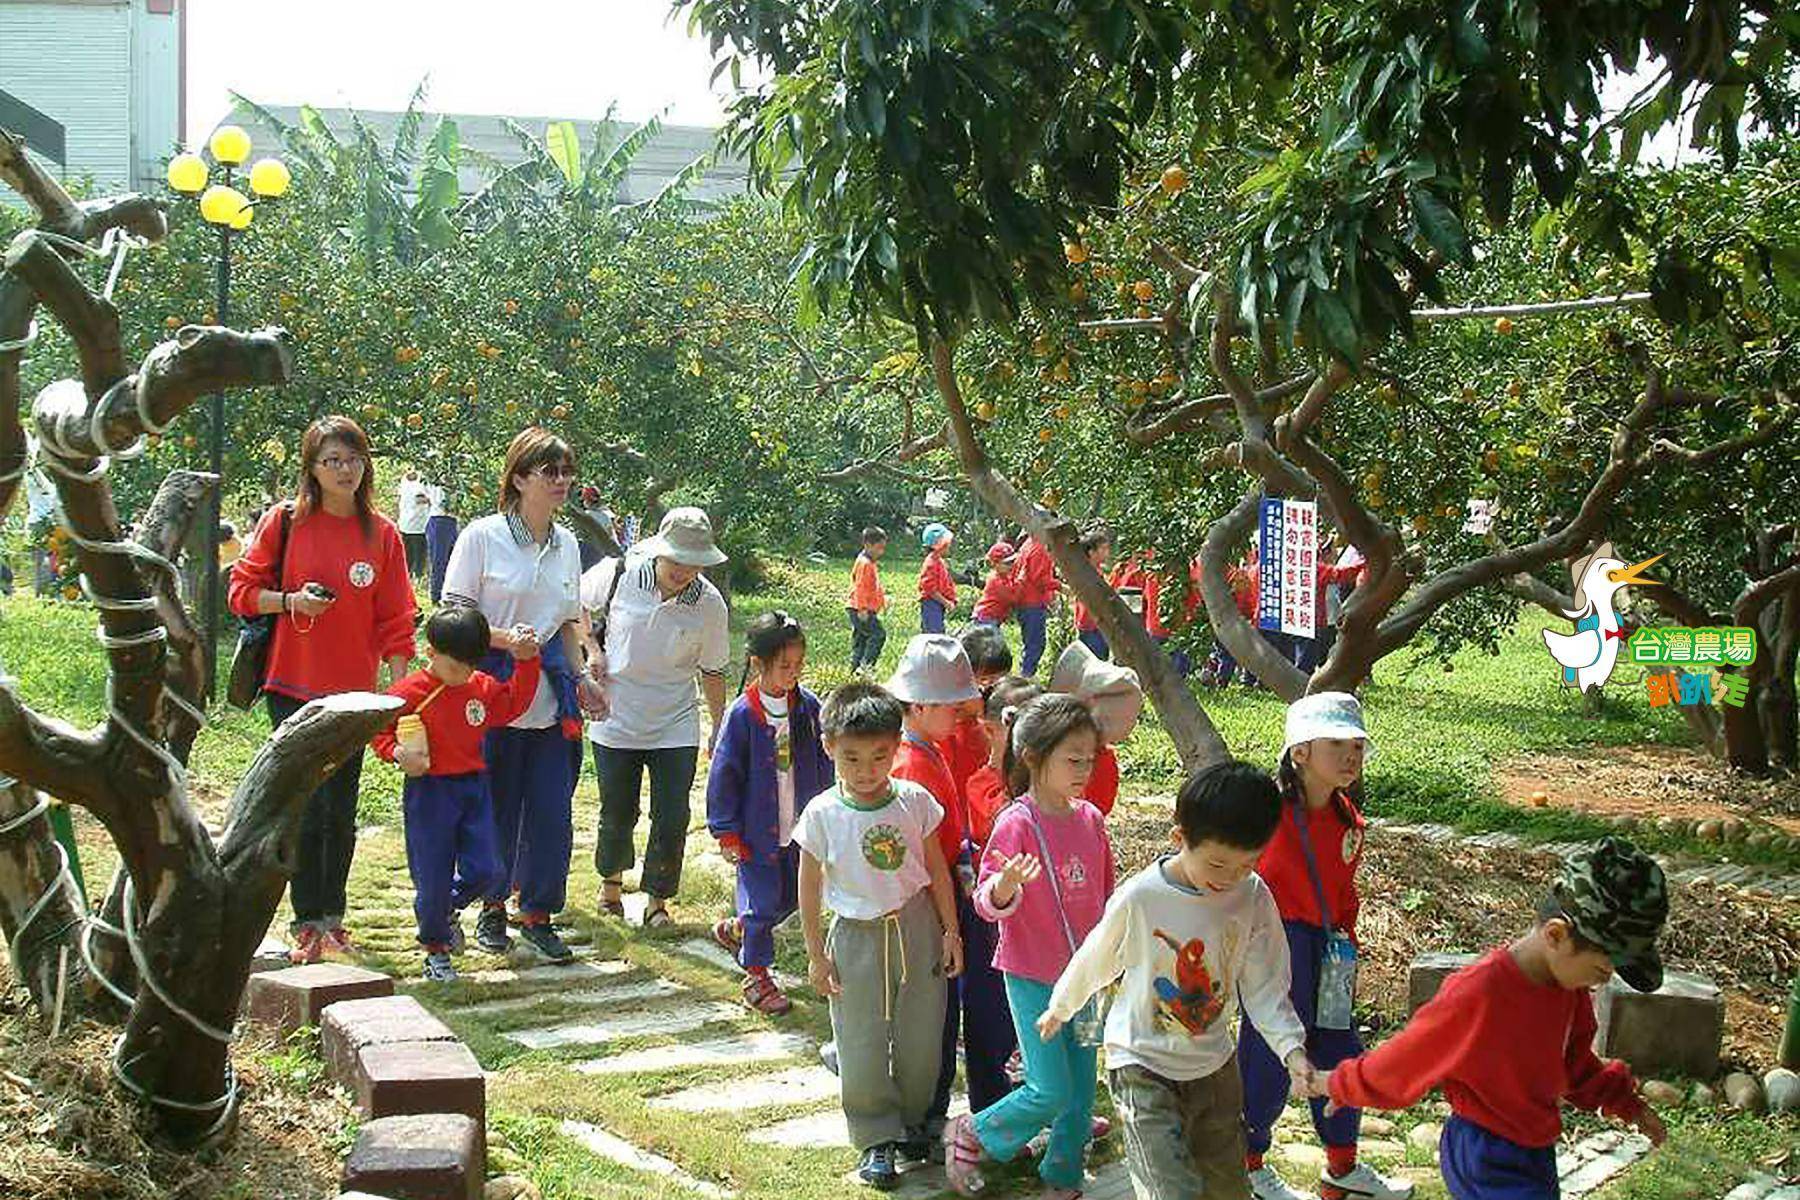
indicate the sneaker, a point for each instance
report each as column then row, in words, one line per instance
column 878, row 1168
column 762, row 993
column 962, row 1156
column 439, row 968
column 490, row 930
column 308, row 946
column 336, row 940
column 1363, row 1182
column 729, row 934
column 1265, row 1184
column 542, row 937
column 828, row 1056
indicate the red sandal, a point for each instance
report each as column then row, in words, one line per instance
column 962, row 1155
column 762, row 993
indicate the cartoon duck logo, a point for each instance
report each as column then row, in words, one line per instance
column 1589, row 655
column 1192, row 1000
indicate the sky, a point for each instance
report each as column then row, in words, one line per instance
column 527, row 58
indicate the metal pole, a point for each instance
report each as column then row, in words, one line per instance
column 214, row 539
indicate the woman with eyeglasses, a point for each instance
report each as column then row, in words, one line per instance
column 523, row 571
column 335, row 571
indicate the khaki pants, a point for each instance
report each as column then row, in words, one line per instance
column 889, row 1019
column 1183, row 1138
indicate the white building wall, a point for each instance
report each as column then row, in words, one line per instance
column 72, row 62
column 156, row 92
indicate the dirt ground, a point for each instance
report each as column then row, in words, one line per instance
column 1418, row 896
column 1649, row 781
column 66, row 1135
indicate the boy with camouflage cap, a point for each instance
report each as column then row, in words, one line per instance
column 1511, row 1037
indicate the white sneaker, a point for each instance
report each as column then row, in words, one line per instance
column 1265, row 1184
column 1363, row 1182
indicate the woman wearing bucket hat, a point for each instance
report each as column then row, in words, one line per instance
column 657, row 623
column 523, row 571
column 937, row 590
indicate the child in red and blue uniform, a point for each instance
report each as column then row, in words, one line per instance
column 1000, row 593
column 1038, row 589
column 769, row 761
column 452, row 847
column 937, row 590
column 1097, row 544
column 1310, row 867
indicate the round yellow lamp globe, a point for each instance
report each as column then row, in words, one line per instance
column 242, row 218
column 187, row 173
column 230, row 144
column 270, row 178
column 221, row 205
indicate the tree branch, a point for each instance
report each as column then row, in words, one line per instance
column 1192, row 414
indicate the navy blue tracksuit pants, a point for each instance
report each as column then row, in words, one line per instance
column 440, row 538
column 1481, row 1165
column 977, row 1004
column 532, row 774
column 1032, row 620
column 1266, row 1079
column 768, row 893
column 451, row 848
column 931, row 616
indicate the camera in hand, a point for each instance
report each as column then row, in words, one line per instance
column 319, row 591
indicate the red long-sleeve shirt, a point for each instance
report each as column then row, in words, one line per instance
column 998, row 595
column 459, row 718
column 1507, row 1052
column 1103, row 784
column 934, row 580
column 967, row 750
column 987, row 796
column 1336, row 831
column 928, row 766
column 1037, row 575
column 371, row 619
column 865, row 586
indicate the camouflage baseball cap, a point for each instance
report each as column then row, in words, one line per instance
column 1615, row 897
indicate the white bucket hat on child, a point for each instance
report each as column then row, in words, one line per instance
column 1326, row 715
column 934, row 670
column 1112, row 691
column 685, row 536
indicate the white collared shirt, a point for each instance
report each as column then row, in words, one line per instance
column 412, row 515
column 498, row 568
column 654, row 649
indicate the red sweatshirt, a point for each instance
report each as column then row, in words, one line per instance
column 998, row 596
column 928, row 766
column 967, row 751
column 934, row 580
column 1337, row 841
column 458, row 718
column 1103, row 785
column 1037, row 575
column 371, row 619
column 1506, row 1051
column 987, row 796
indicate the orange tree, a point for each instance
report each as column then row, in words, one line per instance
column 1384, row 133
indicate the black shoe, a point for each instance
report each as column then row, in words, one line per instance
column 878, row 1169
column 457, row 943
column 490, row 931
column 544, row 940
column 915, row 1147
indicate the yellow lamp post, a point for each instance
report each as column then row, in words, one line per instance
column 223, row 206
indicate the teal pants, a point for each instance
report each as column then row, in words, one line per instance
column 1058, row 1093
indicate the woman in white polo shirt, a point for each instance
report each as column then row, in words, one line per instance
column 522, row 569
column 663, row 623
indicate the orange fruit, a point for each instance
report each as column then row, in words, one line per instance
column 985, row 410
column 1515, row 389
column 573, row 309
column 1143, row 312
column 1075, row 252
column 171, row 322
column 1503, row 325
column 1044, row 435
column 471, row 387
column 1540, row 799
column 1174, row 180
column 189, row 441
column 1144, row 290
column 415, row 421
column 511, row 307
column 560, row 411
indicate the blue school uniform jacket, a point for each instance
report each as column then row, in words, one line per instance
column 742, row 794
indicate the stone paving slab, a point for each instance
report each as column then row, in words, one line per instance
column 796, row 1085
column 640, row 1023
column 823, row 1129
column 1596, row 1159
column 551, row 972
column 622, row 993
column 1758, row 1187
column 707, row 950
column 761, row 1046
column 616, row 1149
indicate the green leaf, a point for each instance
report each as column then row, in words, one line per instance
column 564, row 148
column 874, row 107
column 1338, row 326
column 1440, row 224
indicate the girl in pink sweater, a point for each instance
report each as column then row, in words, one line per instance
column 1045, row 878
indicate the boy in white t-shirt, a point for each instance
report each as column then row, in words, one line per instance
column 867, row 853
column 1192, row 935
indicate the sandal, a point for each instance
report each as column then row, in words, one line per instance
column 762, row 993
column 613, row 907
column 658, row 918
column 962, row 1155
column 729, row 934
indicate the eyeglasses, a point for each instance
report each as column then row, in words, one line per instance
column 335, row 463
column 562, row 472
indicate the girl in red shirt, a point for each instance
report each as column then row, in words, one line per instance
column 937, row 590
column 346, row 605
column 1310, row 866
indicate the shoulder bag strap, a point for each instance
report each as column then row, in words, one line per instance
column 1050, row 873
column 1312, row 865
column 434, row 695
column 606, row 605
